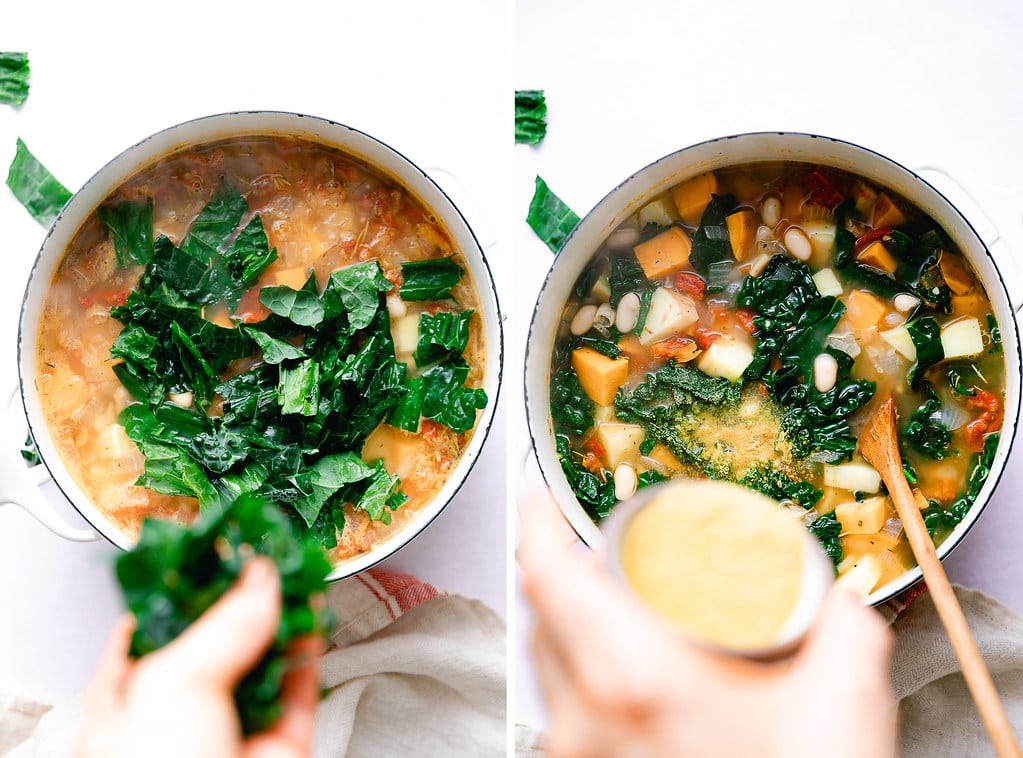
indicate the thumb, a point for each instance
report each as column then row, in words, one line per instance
column 845, row 624
column 232, row 635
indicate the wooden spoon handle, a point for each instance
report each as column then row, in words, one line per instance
column 975, row 672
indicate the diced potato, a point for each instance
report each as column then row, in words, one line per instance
column 692, row 197
column 920, row 500
column 822, row 237
column 664, row 254
column 742, row 232
column 863, row 310
column 601, row 288
column 670, row 313
column 726, row 357
column 599, row 375
column 864, row 197
column 962, row 338
column 657, row 212
column 886, row 213
column 405, row 333
column 957, row 276
column 390, row 445
column 876, row 254
column 853, row 476
column 666, row 458
column 604, row 414
column 899, row 339
column 620, row 442
column 866, row 517
column 862, row 576
column 827, row 283
column 290, row 277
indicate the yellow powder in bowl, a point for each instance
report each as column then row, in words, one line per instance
column 723, row 563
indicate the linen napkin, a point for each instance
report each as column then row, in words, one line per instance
column 409, row 671
column 937, row 717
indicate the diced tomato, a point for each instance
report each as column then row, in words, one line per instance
column 592, row 463
column 745, row 318
column 596, row 448
column 691, row 284
column 719, row 312
column 429, row 429
column 706, row 337
column 985, row 400
column 679, row 348
column 872, row 236
column 249, row 309
column 989, row 420
column 822, row 190
column 107, row 297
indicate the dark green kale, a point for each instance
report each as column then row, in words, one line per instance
column 530, row 116
column 35, row 187
column 176, row 573
column 710, row 243
column 648, row 478
column 131, row 226
column 29, row 452
column 549, row 217
column 996, row 335
column 596, row 494
column 768, row 479
column 571, row 407
column 604, row 347
column 431, row 279
column 925, row 431
column 441, row 335
column 941, row 520
column 828, row 529
column 627, row 276
column 14, row 73
column 926, row 336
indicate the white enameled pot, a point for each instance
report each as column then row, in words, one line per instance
column 642, row 186
column 378, row 155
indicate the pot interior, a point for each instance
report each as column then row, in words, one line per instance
column 381, row 158
column 689, row 162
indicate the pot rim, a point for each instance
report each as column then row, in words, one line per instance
column 484, row 285
column 910, row 577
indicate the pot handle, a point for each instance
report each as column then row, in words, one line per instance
column 952, row 184
column 453, row 187
column 19, row 485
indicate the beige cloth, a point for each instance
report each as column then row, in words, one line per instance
column 937, row 716
column 411, row 672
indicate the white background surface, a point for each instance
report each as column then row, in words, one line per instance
column 430, row 79
column 917, row 81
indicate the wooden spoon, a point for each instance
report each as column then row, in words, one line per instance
column 879, row 446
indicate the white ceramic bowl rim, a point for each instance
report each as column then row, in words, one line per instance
column 637, row 189
column 269, row 123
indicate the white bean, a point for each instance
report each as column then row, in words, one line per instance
column 904, row 303
column 583, row 320
column 758, row 265
column 396, row 306
column 605, row 315
column 797, row 243
column 625, row 481
column 764, row 233
column 623, row 238
column 628, row 312
column 770, row 211
column 825, row 372
column 184, row 399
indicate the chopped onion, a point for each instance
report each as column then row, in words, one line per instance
column 845, row 342
column 893, row 527
column 715, row 233
column 894, row 319
column 953, row 415
column 886, row 362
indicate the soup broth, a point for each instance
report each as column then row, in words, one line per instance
column 743, row 326
column 313, row 343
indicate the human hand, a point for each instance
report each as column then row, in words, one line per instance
column 619, row 681
column 178, row 701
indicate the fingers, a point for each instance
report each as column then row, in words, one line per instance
column 232, row 635
column 113, row 668
column 545, row 534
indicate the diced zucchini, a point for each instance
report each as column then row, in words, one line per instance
column 853, row 477
column 962, row 338
column 866, row 517
column 664, row 254
column 900, row 339
column 827, row 283
column 599, row 375
column 657, row 212
column 862, row 576
column 726, row 357
column 620, row 442
column 669, row 314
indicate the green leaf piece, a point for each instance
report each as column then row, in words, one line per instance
column 431, row 279
column 35, row 187
column 549, row 217
column 530, row 116
column 14, row 73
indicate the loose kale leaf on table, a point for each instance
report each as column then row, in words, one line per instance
column 176, row 573
column 549, row 217
column 35, row 187
column 530, row 116
column 14, row 73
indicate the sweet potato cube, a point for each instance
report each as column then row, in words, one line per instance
column 620, row 443
column 742, row 233
column 957, row 276
column 666, row 458
column 664, row 254
column 875, row 254
column 886, row 213
column 863, row 310
column 692, row 197
column 291, row 277
column 599, row 375
column 967, row 305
